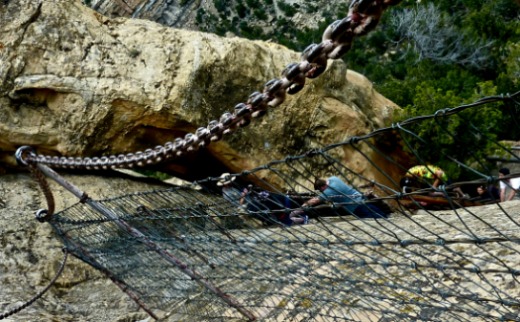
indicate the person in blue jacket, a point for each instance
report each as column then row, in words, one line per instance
column 333, row 189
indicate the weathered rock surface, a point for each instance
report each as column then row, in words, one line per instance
column 76, row 83
column 31, row 255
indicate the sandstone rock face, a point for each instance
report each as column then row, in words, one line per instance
column 76, row 83
column 31, row 255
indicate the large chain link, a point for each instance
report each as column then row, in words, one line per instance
column 363, row 16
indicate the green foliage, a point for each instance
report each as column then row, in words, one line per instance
column 467, row 136
column 154, row 174
column 260, row 14
column 241, row 10
column 199, row 18
column 254, row 4
column 311, row 8
column 512, row 63
column 248, row 31
column 403, row 69
column 423, row 86
column 222, row 5
column 288, row 9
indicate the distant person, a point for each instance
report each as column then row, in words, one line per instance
column 258, row 203
column 488, row 194
column 426, row 176
column 354, row 202
column 230, row 193
column 508, row 187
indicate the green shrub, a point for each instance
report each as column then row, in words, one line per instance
column 288, row 9
column 241, row 10
column 260, row 14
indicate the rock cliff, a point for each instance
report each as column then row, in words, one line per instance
column 183, row 14
column 76, row 83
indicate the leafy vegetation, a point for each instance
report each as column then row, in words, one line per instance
column 424, row 56
column 153, row 174
column 455, row 53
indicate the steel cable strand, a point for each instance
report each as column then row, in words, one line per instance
column 399, row 126
column 375, row 282
column 448, row 111
column 457, row 267
column 418, row 242
column 41, row 293
column 377, row 261
column 453, row 137
column 455, row 110
column 428, row 299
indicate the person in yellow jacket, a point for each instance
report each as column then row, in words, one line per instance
column 426, row 176
column 430, row 174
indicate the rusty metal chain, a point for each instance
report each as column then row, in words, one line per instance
column 363, row 16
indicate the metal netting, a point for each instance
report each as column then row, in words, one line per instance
column 192, row 254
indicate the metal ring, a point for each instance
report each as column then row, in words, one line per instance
column 41, row 215
column 20, row 152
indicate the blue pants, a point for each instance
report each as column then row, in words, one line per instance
column 368, row 210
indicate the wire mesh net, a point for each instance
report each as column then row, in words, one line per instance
column 428, row 254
